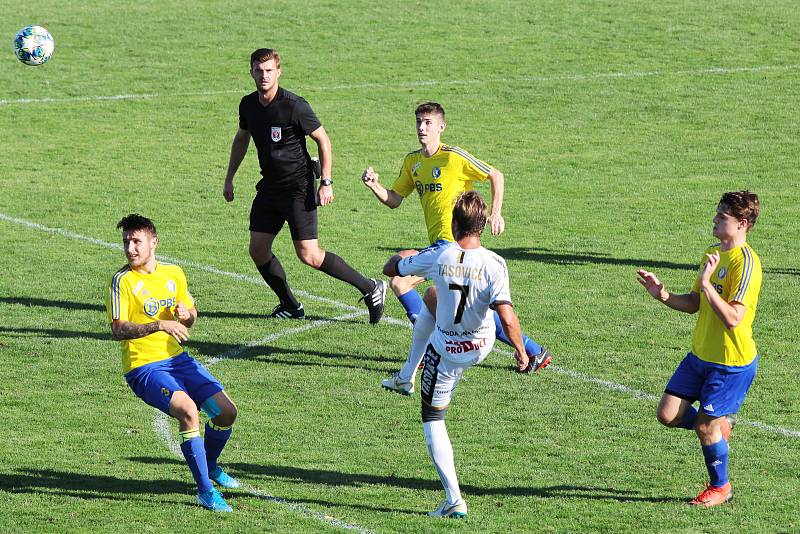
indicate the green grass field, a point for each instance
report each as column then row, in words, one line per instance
column 618, row 125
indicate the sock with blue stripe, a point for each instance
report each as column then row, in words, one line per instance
column 194, row 453
column 531, row 347
column 412, row 303
column 716, row 456
column 215, row 439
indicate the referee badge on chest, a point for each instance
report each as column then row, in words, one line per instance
column 276, row 133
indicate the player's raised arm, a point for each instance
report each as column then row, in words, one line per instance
column 388, row 197
column 687, row 302
column 495, row 220
column 238, row 150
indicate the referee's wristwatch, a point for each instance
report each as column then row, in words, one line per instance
column 326, row 181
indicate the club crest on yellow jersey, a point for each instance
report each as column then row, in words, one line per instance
column 152, row 306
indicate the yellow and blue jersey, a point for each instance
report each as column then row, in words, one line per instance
column 145, row 298
column 737, row 278
column 439, row 180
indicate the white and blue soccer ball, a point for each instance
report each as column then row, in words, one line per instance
column 33, row 45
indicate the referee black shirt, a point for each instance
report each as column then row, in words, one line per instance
column 279, row 132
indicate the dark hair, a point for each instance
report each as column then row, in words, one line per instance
column 265, row 54
column 469, row 215
column 430, row 107
column 741, row 205
column 135, row 222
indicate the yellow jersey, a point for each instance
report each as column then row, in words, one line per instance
column 737, row 278
column 439, row 180
column 145, row 298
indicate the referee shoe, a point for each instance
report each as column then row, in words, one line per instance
column 284, row 312
column 374, row 301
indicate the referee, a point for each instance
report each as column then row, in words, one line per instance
column 278, row 121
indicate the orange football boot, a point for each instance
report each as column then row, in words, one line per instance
column 712, row 496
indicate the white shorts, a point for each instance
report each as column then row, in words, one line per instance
column 440, row 376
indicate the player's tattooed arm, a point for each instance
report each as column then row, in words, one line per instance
column 127, row 330
column 121, row 330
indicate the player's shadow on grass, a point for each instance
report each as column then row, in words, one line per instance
column 72, row 305
column 338, row 478
column 87, row 486
column 553, row 257
column 325, row 477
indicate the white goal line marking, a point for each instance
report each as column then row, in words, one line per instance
column 419, row 83
column 391, row 320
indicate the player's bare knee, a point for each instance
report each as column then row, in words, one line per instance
column 310, row 258
column 259, row 254
column 228, row 415
column 704, row 429
column 667, row 419
column 187, row 417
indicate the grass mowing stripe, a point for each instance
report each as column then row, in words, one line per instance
column 186, row 263
column 565, row 372
column 421, row 83
column 238, row 351
column 161, row 424
column 161, row 428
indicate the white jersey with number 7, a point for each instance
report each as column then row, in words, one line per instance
column 469, row 283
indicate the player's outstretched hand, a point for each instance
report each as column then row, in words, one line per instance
column 496, row 223
column 652, row 284
column 369, row 177
column 227, row 191
column 175, row 329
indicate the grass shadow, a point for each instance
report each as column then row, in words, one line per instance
column 87, row 486
column 553, row 257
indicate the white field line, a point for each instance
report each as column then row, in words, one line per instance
column 566, row 372
column 162, row 427
column 420, row 83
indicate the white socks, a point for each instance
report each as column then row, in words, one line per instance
column 441, row 452
column 423, row 328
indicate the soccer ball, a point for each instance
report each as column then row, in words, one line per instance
column 33, row 45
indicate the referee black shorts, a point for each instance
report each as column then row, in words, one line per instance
column 298, row 208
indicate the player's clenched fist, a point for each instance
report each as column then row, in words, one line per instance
column 369, row 176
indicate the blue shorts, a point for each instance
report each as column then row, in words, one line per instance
column 721, row 389
column 155, row 382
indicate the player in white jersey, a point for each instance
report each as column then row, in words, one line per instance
column 470, row 282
